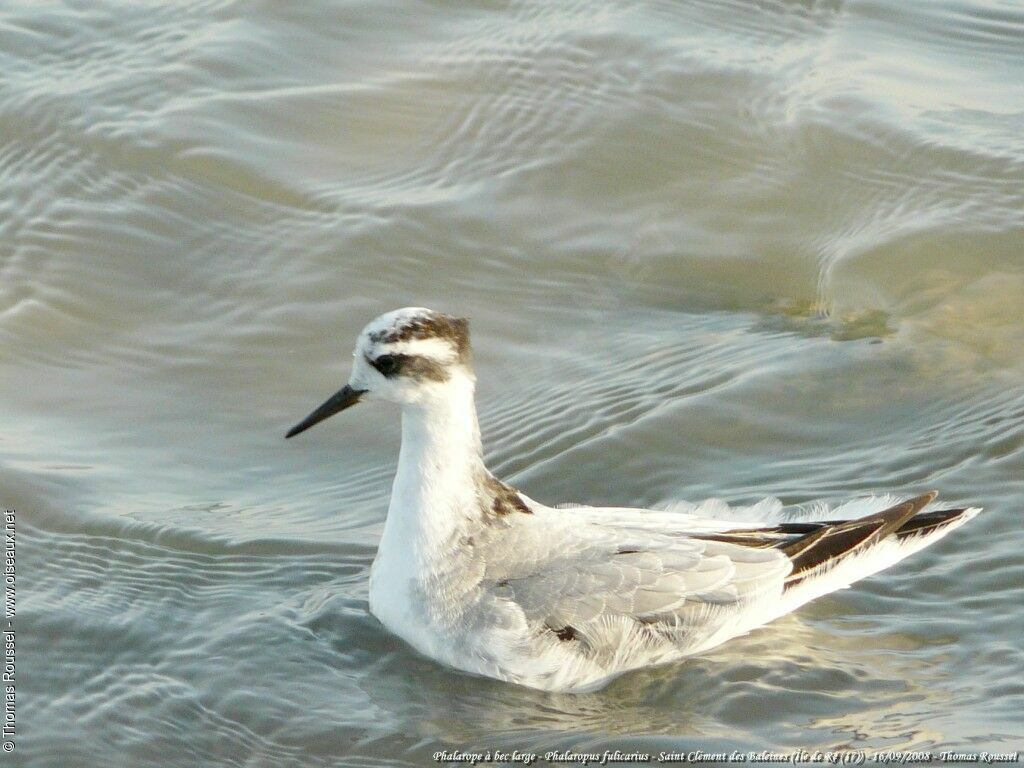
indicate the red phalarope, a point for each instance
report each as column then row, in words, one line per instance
column 473, row 573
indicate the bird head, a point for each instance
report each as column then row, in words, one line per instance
column 407, row 356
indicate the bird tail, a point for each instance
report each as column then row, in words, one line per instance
column 842, row 552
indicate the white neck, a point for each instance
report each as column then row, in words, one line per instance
column 434, row 499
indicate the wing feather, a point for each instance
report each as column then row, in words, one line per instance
column 583, row 576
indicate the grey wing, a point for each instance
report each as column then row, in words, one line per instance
column 672, row 581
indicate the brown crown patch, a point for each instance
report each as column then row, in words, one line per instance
column 433, row 326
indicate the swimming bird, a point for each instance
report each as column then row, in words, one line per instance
column 473, row 573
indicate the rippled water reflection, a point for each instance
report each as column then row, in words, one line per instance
column 728, row 249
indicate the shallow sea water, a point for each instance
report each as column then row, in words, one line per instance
column 710, row 250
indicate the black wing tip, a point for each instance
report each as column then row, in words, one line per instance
column 898, row 515
column 834, row 541
column 929, row 522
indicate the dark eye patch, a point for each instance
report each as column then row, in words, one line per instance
column 389, row 365
column 411, row 366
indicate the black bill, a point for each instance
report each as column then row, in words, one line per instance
column 339, row 401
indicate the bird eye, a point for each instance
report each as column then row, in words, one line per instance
column 386, row 364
